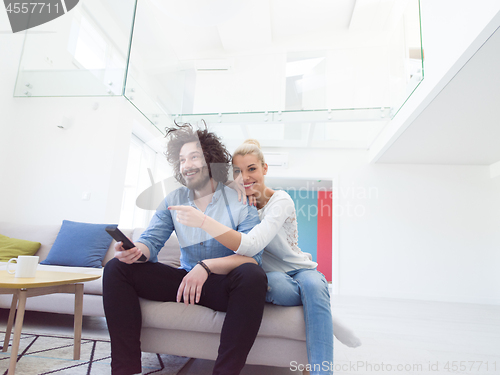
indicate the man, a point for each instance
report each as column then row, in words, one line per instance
column 210, row 275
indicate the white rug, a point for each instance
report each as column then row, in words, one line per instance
column 44, row 354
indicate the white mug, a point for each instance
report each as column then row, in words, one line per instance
column 26, row 266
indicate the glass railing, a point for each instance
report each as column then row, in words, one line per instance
column 318, row 74
column 270, row 67
column 83, row 53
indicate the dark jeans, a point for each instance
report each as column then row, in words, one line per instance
column 241, row 294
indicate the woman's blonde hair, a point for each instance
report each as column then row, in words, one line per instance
column 250, row 146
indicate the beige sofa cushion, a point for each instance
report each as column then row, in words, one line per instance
column 45, row 234
column 170, row 253
column 89, row 287
column 278, row 321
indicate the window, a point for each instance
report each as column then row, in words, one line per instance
column 145, row 167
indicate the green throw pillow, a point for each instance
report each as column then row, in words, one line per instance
column 12, row 248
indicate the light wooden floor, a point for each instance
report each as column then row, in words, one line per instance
column 418, row 336
column 399, row 337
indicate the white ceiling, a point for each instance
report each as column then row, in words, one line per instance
column 462, row 124
column 205, row 29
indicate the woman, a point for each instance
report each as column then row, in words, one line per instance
column 292, row 277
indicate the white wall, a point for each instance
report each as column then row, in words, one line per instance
column 429, row 232
column 45, row 170
column 421, row 231
column 435, row 228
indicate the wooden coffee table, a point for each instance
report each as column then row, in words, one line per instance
column 45, row 282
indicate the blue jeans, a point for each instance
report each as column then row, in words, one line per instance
column 309, row 288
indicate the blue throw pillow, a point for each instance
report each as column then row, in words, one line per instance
column 79, row 245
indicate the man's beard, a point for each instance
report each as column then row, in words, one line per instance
column 200, row 182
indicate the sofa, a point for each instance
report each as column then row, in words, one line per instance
column 168, row 327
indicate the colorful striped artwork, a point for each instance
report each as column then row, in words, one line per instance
column 324, row 230
column 314, row 219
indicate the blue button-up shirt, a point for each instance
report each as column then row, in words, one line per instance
column 195, row 243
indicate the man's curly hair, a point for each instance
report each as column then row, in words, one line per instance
column 217, row 157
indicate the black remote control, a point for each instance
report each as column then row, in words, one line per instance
column 118, row 236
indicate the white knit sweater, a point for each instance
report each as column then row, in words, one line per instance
column 278, row 234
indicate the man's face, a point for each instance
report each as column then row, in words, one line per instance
column 193, row 167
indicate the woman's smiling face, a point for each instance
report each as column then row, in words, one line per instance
column 249, row 171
